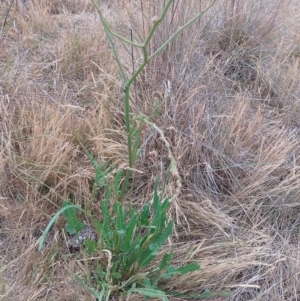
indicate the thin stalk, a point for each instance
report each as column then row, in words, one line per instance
column 129, row 142
column 127, row 82
column 108, row 35
column 175, row 34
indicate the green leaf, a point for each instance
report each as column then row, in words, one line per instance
column 102, row 170
column 73, row 225
column 51, row 222
column 133, row 254
column 165, row 261
column 161, row 237
column 116, row 208
column 149, row 292
column 191, row 267
column 90, row 157
column 144, row 217
column 116, row 276
column 117, row 181
column 121, row 218
column 156, row 207
column 101, row 274
column 120, row 228
column 98, row 227
column 107, row 223
column 95, row 293
column 160, row 217
column 90, row 245
column 172, row 271
column 165, row 205
column 147, row 283
column 121, row 232
column 133, row 221
column 147, row 254
column 136, row 244
column 155, row 245
column 136, row 137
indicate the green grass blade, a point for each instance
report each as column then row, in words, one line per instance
column 95, row 293
column 144, row 216
column 155, row 245
column 87, row 153
column 149, row 292
column 73, row 225
column 156, row 200
column 120, row 229
column 51, row 222
column 133, row 254
column 117, row 182
column 165, row 261
column 160, row 217
column 106, row 224
column 172, row 271
column 191, row 267
column 130, row 231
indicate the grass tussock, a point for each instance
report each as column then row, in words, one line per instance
column 231, row 118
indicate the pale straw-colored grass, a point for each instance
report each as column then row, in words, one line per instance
column 235, row 139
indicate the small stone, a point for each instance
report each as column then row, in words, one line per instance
column 78, row 239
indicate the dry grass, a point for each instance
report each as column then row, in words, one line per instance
column 232, row 121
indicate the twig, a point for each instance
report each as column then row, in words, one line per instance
column 6, row 15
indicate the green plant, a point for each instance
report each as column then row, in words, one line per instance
column 128, row 240
column 132, row 131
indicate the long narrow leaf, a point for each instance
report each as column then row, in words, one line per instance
column 136, row 250
column 144, row 216
column 160, row 219
column 51, row 222
column 73, row 225
column 156, row 200
column 117, row 181
column 172, row 271
column 106, row 225
column 155, row 245
column 133, row 221
column 191, row 267
column 165, row 261
column 87, row 153
column 149, row 292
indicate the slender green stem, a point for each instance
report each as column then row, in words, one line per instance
column 127, row 127
column 108, row 35
column 146, row 58
column 156, row 22
column 121, row 38
column 131, row 147
column 175, row 34
column 129, row 42
column 129, row 142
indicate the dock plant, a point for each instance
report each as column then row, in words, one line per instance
column 124, row 256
